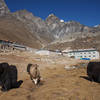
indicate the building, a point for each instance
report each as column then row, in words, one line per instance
column 85, row 54
column 8, row 45
column 43, row 52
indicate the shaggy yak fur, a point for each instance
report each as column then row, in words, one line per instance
column 93, row 71
column 8, row 77
column 34, row 73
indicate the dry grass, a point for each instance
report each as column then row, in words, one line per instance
column 57, row 84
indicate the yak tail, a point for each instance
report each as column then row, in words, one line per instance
column 28, row 68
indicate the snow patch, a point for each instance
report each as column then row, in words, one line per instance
column 51, row 14
column 62, row 20
column 96, row 25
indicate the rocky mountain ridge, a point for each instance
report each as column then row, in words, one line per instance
column 49, row 31
column 53, row 27
column 34, row 24
column 3, row 8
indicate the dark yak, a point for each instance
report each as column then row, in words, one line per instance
column 93, row 71
column 8, row 77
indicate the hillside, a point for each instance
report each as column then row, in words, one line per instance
column 35, row 25
column 78, row 43
column 16, row 30
column 25, row 28
column 13, row 30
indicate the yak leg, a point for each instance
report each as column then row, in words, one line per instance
column 6, row 86
column 99, row 78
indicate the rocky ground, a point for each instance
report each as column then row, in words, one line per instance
column 58, row 83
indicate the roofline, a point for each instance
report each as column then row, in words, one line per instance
column 81, row 50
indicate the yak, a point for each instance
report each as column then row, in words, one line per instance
column 93, row 71
column 8, row 77
column 34, row 73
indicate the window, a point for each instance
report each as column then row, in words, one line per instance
column 73, row 53
column 94, row 52
column 80, row 56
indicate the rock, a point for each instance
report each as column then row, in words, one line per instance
column 35, row 25
column 3, row 8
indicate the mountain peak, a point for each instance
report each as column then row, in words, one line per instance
column 52, row 19
column 23, row 11
column 3, row 8
column 72, row 21
column 51, row 15
column 24, row 14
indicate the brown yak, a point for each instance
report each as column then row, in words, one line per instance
column 34, row 73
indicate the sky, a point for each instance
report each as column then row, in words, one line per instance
column 86, row 12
